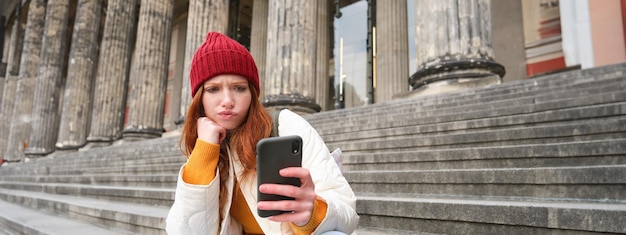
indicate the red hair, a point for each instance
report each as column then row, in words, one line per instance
column 242, row 140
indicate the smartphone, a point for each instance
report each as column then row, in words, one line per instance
column 272, row 155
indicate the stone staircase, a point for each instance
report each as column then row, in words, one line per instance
column 122, row 189
column 539, row 156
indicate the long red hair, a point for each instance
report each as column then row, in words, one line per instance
column 242, row 140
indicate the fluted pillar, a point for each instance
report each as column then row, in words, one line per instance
column 23, row 107
column 322, row 81
column 109, row 96
column 147, row 84
column 392, row 56
column 258, row 39
column 3, row 69
column 203, row 17
column 45, row 125
column 10, row 81
column 78, row 86
column 291, row 48
column 454, row 49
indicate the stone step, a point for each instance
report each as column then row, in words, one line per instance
column 503, row 95
column 601, row 183
column 113, row 164
column 579, row 130
column 84, row 164
column 487, row 123
column 417, row 109
column 117, row 164
column 391, row 119
column 562, row 81
column 168, row 164
column 378, row 231
column 150, row 147
column 449, row 215
column 171, row 163
column 170, row 168
column 80, row 162
column 22, row 220
column 579, row 153
column 113, row 158
column 140, row 195
column 136, row 218
column 144, row 180
column 159, row 166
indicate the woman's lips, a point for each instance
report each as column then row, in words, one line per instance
column 227, row 115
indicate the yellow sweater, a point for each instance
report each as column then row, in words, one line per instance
column 200, row 170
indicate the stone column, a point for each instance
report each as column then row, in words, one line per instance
column 258, row 40
column 45, row 125
column 323, row 55
column 10, row 81
column 146, row 100
column 109, row 95
column 23, row 107
column 78, row 87
column 3, row 68
column 454, row 49
column 291, row 48
column 204, row 16
column 392, row 55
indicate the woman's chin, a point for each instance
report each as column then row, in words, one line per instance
column 229, row 126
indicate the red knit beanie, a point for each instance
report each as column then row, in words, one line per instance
column 220, row 54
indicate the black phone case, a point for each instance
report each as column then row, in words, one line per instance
column 274, row 154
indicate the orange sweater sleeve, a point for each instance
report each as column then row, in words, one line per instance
column 202, row 164
column 317, row 215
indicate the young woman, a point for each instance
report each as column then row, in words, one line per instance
column 216, row 189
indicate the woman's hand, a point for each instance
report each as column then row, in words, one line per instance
column 209, row 131
column 304, row 195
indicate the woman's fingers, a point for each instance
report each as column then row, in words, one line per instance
column 210, row 132
column 304, row 197
column 301, row 173
column 299, row 210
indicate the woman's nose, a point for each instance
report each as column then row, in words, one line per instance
column 228, row 101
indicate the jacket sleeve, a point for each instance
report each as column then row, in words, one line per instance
column 330, row 184
column 195, row 208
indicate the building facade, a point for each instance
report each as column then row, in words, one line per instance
column 84, row 73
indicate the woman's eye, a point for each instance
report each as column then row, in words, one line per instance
column 241, row 88
column 211, row 89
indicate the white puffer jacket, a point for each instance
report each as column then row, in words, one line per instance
column 195, row 208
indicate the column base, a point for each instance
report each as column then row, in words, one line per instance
column 4, row 162
column 136, row 134
column 446, row 86
column 37, row 152
column 14, row 155
column 7, row 162
column 69, row 145
column 98, row 142
column 92, row 145
column 454, row 69
column 102, row 139
column 176, row 132
column 180, row 121
column 296, row 103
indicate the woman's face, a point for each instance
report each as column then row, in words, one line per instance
column 226, row 100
